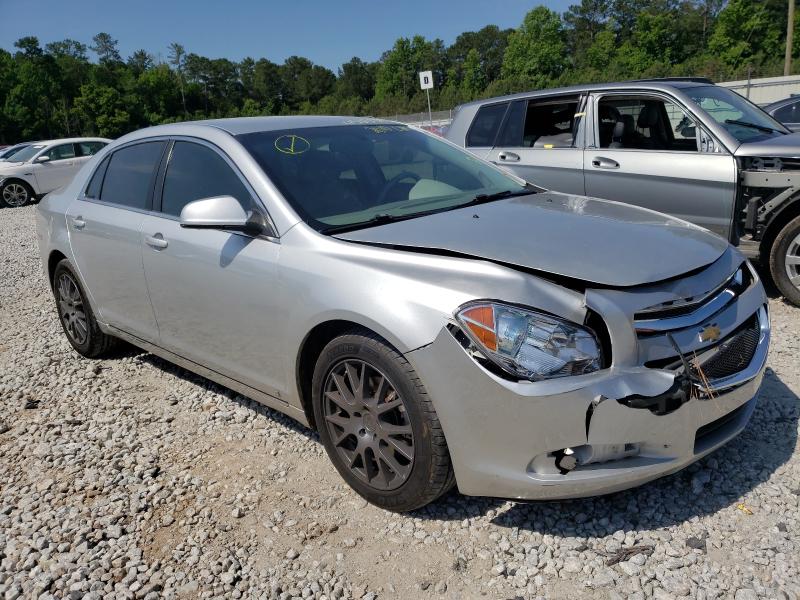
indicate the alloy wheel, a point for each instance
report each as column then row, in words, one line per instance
column 368, row 424
column 793, row 261
column 15, row 194
column 71, row 309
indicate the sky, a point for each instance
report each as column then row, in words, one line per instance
column 329, row 32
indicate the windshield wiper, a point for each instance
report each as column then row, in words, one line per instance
column 763, row 128
column 483, row 198
column 379, row 219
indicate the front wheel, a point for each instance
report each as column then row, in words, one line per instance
column 14, row 194
column 784, row 261
column 378, row 424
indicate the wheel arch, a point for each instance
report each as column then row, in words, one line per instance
column 778, row 221
column 55, row 257
column 24, row 180
column 310, row 350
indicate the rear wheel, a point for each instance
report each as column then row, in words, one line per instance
column 784, row 261
column 76, row 316
column 378, row 424
column 15, row 193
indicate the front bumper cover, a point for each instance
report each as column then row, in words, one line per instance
column 501, row 432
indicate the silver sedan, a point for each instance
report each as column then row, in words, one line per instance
column 439, row 321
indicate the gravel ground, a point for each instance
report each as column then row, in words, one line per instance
column 132, row 478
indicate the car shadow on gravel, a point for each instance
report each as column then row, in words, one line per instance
column 237, row 398
column 715, row 483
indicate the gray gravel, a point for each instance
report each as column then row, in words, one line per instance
column 131, row 478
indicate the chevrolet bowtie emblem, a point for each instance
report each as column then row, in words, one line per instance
column 710, row 333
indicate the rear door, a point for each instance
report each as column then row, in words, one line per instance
column 541, row 140
column 105, row 234
column 645, row 151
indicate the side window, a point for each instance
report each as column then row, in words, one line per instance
column 513, row 127
column 130, row 174
column 484, row 128
column 645, row 123
column 61, row 152
column 550, row 123
column 195, row 172
column 96, row 182
column 89, row 148
column 789, row 113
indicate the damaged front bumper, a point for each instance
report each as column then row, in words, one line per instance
column 585, row 435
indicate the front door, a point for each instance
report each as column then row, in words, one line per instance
column 541, row 141
column 646, row 152
column 58, row 170
column 213, row 291
column 105, row 233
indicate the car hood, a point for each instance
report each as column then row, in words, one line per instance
column 596, row 241
column 6, row 165
column 780, row 145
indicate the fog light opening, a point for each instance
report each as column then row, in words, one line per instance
column 568, row 459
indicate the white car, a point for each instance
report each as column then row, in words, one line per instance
column 43, row 167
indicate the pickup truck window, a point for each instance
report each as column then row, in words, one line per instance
column 645, row 123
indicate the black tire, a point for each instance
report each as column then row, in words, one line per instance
column 785, row 248
column 431, row 471
column 88, row 341
column 15, row 193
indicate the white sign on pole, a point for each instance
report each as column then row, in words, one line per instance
column 426, row 80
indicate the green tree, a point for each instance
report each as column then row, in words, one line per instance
column 105, row 47
column 356, row 79
column 536, row 51
column 101, row 111
column 473, row 80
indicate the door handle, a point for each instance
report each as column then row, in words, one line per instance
column 508, row 157
column 156, row 241
column 78, row 223
column 601, row 162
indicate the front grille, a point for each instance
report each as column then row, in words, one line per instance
column 734, row 354
column 728, row 357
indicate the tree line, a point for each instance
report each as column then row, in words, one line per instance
column 63, row 90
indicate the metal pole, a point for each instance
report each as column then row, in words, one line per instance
column 787, row 59
column 430, row 114
column 749, row 73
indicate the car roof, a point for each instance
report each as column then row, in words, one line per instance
column 664, row 84
column 67, row 141
column 243, row 125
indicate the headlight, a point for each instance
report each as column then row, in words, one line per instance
column 529, row 344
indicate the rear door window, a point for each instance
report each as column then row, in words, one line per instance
column 195, row 172
column 541, row 123
column 89, row 148
column 130, row 175
column 96, row 182
column 484, row 128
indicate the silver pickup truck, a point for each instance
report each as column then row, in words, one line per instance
column 681, row 146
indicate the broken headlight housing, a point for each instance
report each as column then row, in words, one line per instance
column 529, row 344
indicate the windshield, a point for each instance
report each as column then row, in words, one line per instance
column 27, row 153
column 743, row 119
column 9, row 152
column 358, row 175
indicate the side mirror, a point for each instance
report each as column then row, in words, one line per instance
column 219, row 212
column 42, row 158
